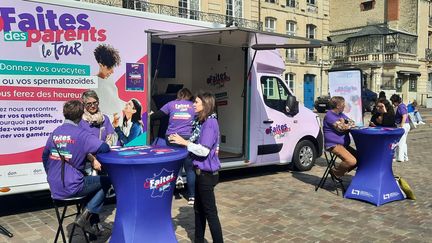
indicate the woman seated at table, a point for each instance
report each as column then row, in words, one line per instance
column 64, row 161
column 384, row 116
column 336, row 126
column 132, row 124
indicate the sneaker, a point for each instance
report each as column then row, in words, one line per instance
column 191, row 201
column 179, row 183
column 421, row 123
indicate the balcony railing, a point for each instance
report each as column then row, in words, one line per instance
column 191, row 14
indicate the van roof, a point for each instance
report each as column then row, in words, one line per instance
column 240, row 37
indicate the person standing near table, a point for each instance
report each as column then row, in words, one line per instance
column 132, row 124
column 64, row 160
column 384, row 116
column 402, row 121
column 336, row 126
column 181, row 115
column 204, row 146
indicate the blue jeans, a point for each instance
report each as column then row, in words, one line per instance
column 189, row 169
column 190, row 176
column 95, row 187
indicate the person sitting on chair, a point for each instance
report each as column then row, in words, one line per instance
column 385, row 116
column 414, row 114
column 64, row 159
column 336, row 126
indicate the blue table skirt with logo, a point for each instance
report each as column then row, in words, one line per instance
column 144, row 180
column 374, row 181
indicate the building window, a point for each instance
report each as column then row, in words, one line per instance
column 234, row 8
column 290, row 55
column 289, row 79
column 429, row 84
column 413, row 84
column 268, row 88
column 310, row 52
column 310, row 31
column 270, row 1
column 270, row 24
column 290, row 27
column 312, row 2
column 368, row 5
column 189, row 9
column 291, row 3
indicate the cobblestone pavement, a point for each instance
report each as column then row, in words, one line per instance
column 273, row 204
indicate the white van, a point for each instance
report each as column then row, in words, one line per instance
column 47, row 58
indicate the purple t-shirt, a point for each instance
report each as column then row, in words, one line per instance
column 74, row 143
column 101, row 131
column 209, row 137
column 181, row 114
column 333, row 137
column 401, row 110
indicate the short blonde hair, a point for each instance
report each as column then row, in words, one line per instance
column 335, row 101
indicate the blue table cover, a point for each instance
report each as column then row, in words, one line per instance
column 374, row 181
column 144, row 180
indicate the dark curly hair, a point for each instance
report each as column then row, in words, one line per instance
column 395, row 98
column 107, row 55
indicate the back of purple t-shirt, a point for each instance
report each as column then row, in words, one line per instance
column 401, row 110
column 333, row 137
column 181, row 114
column 74, row 143
column 209, row 137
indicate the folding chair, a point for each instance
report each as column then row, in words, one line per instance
column 79, row 202
column 5, row 231
column 330, row 159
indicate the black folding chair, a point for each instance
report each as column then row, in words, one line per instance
column 79, row 202
column 5, row 231
column 330, row 159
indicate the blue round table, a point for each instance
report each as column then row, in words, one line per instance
column 144, row 180
column 374, row 181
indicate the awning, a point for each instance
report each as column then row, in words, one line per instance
column 241, row 37
column 414, row 73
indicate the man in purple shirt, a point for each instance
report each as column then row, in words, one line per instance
column 64, row 159
column 336, row 126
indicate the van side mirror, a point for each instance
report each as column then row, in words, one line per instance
column 291, row 105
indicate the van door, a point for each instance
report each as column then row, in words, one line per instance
column 275, row 126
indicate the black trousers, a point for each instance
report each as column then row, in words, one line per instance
column 205, row 207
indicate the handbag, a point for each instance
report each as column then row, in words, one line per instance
column 411, row 121
column 405, row 188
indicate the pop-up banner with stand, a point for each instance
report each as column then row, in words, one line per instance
column 347, row 83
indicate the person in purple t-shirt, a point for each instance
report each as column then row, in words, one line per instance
column 96, row 123
column 336, row 126
column 64, row 159
column 181, row 115
column 402, row 121
column 204, row 146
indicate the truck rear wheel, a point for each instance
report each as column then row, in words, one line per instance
column 304, row 155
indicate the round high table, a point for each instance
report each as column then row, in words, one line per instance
column 144, row 180
column 374, row 181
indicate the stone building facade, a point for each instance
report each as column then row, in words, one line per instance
column 305, row 69
column 389, row 40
